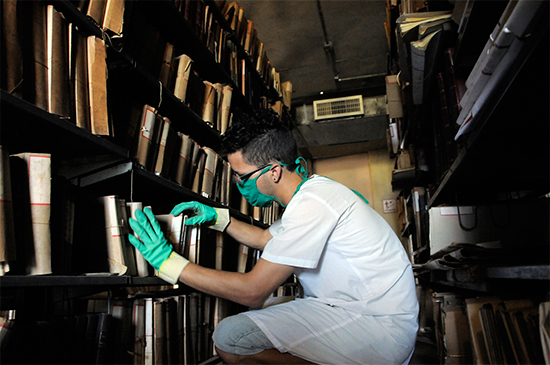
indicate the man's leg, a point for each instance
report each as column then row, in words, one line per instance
column 271, row 356
column 239, row 340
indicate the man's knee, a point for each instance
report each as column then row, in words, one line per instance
column 239, row 335
column 227, row 357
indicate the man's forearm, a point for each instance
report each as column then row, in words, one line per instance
column 250, row 289
column 233, row 286
column 247, row 234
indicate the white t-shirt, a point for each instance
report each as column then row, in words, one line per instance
column 345, row 253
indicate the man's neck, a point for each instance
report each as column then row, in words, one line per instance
column 288, row 185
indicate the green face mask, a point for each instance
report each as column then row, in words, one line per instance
column 254, row 196
column 251, row 192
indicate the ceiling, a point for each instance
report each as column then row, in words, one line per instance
column 334, row 47
column 295, row 39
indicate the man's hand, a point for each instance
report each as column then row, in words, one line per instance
column 154, row 247
column 215, row 218
column 200, row 213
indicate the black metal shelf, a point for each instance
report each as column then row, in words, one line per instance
column 146, row 87
column 526, row 272
column 135, row 183
column 174, row 189
column 273, row 94
column 495, row 278
column 148, row 90
column 74, row 15
column 501, row 141
column 78, row 280
column 179, row 32
column 24, row 127
column 479, row 19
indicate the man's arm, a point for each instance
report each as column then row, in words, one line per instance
column 250, row 289
column 220, row 220
column 248, row 235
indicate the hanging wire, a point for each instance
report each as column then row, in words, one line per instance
column 467, row 229
column 108, row 40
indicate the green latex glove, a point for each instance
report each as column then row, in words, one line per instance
column 153, row 246
column 200, row 213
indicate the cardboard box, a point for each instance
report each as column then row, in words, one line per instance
column 451, row 328
column 513, row 224
column 404, row 160
column 456, row 336
column 393, row 93
column 445, row 227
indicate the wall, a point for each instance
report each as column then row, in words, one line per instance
column 368, row 173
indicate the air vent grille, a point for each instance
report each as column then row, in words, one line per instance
column 338, row 107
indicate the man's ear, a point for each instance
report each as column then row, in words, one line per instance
column 276, row 173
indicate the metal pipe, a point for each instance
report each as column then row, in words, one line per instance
column 328, row 47
column 322, row 21
column 360, row 77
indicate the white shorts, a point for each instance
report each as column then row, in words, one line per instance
column 324, row 334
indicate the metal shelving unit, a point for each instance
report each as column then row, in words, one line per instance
column 503, row 160
column 97, row 280
column 232, row 36
column 500, row 99
column 94, row 165
column 24, row 126
column 490, row 279
column 87, row 159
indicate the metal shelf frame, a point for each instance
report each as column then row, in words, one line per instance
column 77, row 280
column 482, row 279
column 459, row 167
column 52, row 134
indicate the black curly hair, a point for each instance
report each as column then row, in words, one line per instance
column 262, row 139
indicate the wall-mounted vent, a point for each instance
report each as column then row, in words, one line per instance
column 338, row 107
